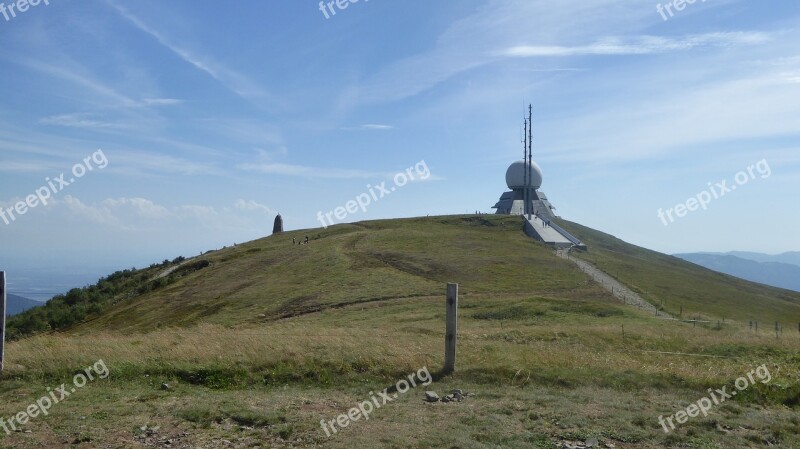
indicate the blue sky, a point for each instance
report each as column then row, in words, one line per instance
column 214, row 116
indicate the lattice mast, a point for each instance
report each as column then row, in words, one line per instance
column 529, row 162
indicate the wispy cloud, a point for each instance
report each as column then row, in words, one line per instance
column 232, row 80
column 72, row 72
column 492, row 34
column 252, row 205
column 25, row 167
column 739, row 109
column 162, row 101
column 80, row 120
column 137, row 214
column 638, row 45
column 136, row 162
column 377, row 127
column 479, row 38
column 308, row 172
column 368, row 127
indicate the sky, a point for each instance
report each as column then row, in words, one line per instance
column 185, row 126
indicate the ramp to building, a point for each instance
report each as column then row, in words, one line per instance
column 544, row 230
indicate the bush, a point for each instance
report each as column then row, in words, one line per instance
column 65, row 311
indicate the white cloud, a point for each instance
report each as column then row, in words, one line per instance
column 79, row 120
column 141, row 207
column 25, row 166
column 638, row 45
column 370, row 127
column 759, row 106
column 74, row 73
column 377, row 127
column 95, row 214
column 141, row 214
column 137, row 162
column 232, row 80
column 201, row 212
column 308, row 172
column 474, row 40
column 252, row 205
column 162, row 101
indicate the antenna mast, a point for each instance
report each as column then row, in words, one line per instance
column 529, row 163
column 524, row 173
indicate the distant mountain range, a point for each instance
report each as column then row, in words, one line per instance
column 782, row 270
column 18, row 304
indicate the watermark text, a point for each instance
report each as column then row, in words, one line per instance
column 43, row 405
column 714, row 192
column 53, row 186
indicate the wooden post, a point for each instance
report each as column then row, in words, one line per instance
column 2, row 319
column 452, row 325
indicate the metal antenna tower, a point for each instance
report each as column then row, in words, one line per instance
column 529, row 162
column 525, row 172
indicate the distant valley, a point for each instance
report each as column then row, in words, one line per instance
column 782, row 270
column 18, row 304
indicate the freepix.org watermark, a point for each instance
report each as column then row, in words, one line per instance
column 717, row 397
column 678, row 5
column 365, row 408
column 327, row 7
column 715, row 192
column 419, row 171
column 10, row 11
column 53, row 186
column 43, row 405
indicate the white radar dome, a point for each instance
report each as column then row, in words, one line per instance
column 515, row 176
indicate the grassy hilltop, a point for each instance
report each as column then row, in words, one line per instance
column 261, row 341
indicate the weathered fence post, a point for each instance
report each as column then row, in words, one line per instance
column 452, row 325
column 2, row 319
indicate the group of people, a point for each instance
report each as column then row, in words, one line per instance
column 545, row 221
column 299, row 242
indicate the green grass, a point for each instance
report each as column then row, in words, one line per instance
column 539, row 380
column 378, row 260
column 373, row 261
column 677, row 284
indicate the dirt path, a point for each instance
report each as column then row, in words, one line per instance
column 620, row 291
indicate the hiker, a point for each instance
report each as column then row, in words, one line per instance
column 306, row 240
column 294, row 241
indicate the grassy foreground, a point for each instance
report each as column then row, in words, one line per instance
column 306, row 333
